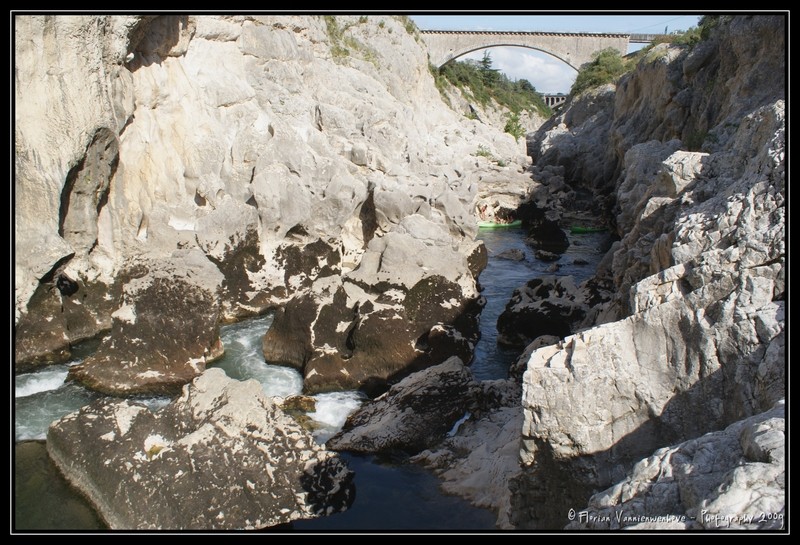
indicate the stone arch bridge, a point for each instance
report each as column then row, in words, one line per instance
column 574, row 48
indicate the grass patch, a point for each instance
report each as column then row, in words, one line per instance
column 343, row 46
column 483, row 151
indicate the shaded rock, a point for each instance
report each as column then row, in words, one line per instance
column 369, row 335
column 478, row 259
column 164, row 332
column 413, row 415
column 59, row 317
column 304, row 404
column 544, row 231
column 733, row 479
column 480, row 460
column 569, row 150
column 544, row 255
column 548, row 305
column 514, row 254
column 221, row 456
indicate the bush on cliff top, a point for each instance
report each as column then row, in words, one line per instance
column 607, row 66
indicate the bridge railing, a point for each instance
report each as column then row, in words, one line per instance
column 649, row 38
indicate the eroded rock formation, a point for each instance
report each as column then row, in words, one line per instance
column 221, row 456
column 682, row 330
column 305, row 158
column 694, row 335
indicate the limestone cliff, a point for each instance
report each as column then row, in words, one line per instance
column 694, row 336
column 681, row 332
column 304, row 158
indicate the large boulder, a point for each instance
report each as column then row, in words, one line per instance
column 413, row 415
column 603, row 398
column 164, row 332
column 479, row 458
column 387, row 319
column 220, row 456
column 548, row 305
column 734, row 479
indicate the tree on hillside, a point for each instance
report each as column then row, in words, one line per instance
column 490, row 75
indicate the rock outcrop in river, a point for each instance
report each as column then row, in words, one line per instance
column 221, row 456
column 309, row 160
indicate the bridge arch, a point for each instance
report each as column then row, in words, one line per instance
column 573, row 48
column 471, row 50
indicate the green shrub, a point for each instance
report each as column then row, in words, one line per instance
column 483, row 151
column 607, row 66
column 513, row 127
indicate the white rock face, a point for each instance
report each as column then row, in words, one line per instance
column 694, row 338
column 733, row 479
column 246, row 138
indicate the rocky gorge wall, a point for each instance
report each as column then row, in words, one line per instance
column 690, row 149
column 239, row 164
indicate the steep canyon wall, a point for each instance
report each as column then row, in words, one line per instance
column 239, row 164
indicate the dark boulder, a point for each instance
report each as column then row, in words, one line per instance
column 164, row 332
column 413, row 415
column 544, row 306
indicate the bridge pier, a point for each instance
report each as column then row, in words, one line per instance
column 554, row 100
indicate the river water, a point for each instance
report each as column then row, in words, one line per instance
column 390, row 494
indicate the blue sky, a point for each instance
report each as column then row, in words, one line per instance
column 546, row 73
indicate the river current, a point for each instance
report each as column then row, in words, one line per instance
column 390, row 494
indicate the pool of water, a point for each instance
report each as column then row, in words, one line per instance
column 502, row 276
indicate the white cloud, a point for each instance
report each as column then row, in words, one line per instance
column 546, row 73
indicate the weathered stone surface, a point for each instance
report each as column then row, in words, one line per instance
column 221, row 456
column 691, row 299
column 733, row 479
column 247, row 138
column 482, row 456
column 164, row 332
column 549, row 305
column 607, row 396
column 369, row 335
column 413, row 415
